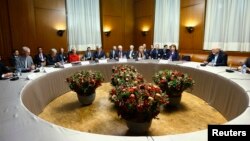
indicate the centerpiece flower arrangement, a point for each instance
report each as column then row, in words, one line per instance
column 138, row 104
column 173, row 83
column 144, row 100
column 135, row 101
column 84, row 83
column 123, row 74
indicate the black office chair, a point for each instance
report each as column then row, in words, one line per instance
column 186, row 58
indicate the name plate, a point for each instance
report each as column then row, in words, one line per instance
column 123, row 60
column 163, row 61
column 67, row 65
column 85, row 63
column 34, row 76
column 105, row 61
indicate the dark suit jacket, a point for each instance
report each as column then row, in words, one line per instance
column 63, row 57
column 37, row 59
column 3, row 69
column 133, row 54
column 52, row 60
column 221, row 60
column 99, row 56
column 111, row 55
column 150, row 52
column 156, row 54
column 175, row 56
column 123, row 54
column 13, row 60
column 87, row 57
column 247, row 63
column 165, row 54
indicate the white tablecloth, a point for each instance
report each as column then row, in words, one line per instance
column 227, row 92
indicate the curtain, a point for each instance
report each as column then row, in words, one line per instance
column 167, row 19
column 83, row 23
column 227, row 25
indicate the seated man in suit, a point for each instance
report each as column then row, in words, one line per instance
column 99, row 54
column 88, row 55
column 120, row 52
column 150, row 51
column 165, row 52
column 62, row 56
column 217, row 57
column 25, row 62
column 4, row 71
column 53, row 57
column 157, row 53
column 14, row 58
column 113, row 53
column 131, row 54
column 40, row 57
column 173, row 54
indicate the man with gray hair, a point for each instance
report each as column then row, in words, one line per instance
column 25, row 62
column 120, row 52
column 217, row 57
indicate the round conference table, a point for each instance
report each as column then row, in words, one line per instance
column 22, row 100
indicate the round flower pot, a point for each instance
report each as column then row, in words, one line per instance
column 174, row 100
column 86, row 100
column 138, row 127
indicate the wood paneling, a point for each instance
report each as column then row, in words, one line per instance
column 5, row 34
column 116, row 36
column 47, row 23
column 22, row 23
column 187, row 3
column 146, row 21
column 50, row 16
column 144, row 11
column 31, row 23
column 192, row 14
column 144, row 8
column 129, row 24
column 112, row 7
column 50, row 4
column 118, row 15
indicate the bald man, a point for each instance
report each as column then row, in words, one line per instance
column 217, row 57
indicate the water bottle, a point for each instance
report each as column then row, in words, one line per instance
column 19, row 72
column 244, row 69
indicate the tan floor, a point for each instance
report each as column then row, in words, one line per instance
column 193, row 114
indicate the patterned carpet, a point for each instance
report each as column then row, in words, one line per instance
column 192, row 115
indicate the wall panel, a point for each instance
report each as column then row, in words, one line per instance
column 22, row 23
column 192, row 14
column 50, row 4
column 47, row 23
column 5, row 34
column 144, row 18
column 117, row 16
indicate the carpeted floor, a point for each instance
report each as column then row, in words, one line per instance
column 192, row 115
